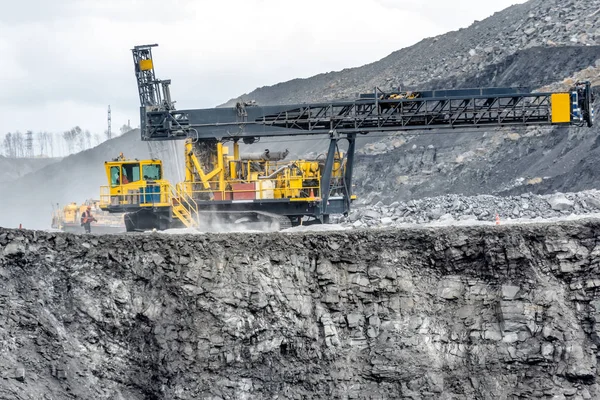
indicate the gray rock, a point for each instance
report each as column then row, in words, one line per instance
column 370, row 214
column 581, row 364
column 386, row 221
column 16, row 247
column 450, row 289
column 509, row 292
column 353, row 320
column 446, row 218
column 435, row 213
column 593, row 202
column 492, row 334
column 19, row 374
column 559, row 202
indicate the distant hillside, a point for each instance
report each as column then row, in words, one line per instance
column 545, row 23
column 75, row 178
column 15, row 168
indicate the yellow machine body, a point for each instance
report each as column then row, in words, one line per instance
column 130, row 182
column 68, row 218
column 211, row 175
column 70, row 213
column 225, row 177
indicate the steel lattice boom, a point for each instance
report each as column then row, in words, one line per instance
column 380, row 113
column 374, row 112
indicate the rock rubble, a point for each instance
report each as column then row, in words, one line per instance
column 372, row 212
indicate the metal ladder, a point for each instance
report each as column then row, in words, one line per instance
column 185, row 208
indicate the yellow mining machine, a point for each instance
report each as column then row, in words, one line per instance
column 223, row 184
column 260, row 190
column 68, row 218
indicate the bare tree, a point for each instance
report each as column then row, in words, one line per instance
column 18, row 144
column 125, row 128
column 79, row 137
column 41, row 142
column 45, row 142
column 15, row 144
column 88, row 139
column 50, row 139
column 29, row 144
column 68, row 137
column 9, row 150
column 74, row 139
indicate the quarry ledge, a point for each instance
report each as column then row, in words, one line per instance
column 341, row 245
column 483, row 312
column 472, row 250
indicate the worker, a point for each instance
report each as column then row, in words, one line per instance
column 86, row 220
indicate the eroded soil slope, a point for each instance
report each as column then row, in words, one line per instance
column 462, row 313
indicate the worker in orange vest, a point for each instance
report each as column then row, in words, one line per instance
column 86, row 220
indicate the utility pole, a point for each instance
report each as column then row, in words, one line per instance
column 108, row 132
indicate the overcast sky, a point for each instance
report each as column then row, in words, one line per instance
column 63, row 61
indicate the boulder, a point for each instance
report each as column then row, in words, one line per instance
column 559, row 202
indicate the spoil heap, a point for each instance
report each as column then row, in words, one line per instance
column 453, row 207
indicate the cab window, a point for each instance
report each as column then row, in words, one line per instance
column 151, row 172
column 114, row 176
column 131, row 173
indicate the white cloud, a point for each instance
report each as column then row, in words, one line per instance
column 63, row 62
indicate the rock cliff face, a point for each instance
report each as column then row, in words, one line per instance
column 459, row 313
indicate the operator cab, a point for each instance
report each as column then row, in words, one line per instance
column 121, row 171
column 133, row 183
column 133, row 172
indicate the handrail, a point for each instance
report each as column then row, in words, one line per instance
column 189, row 204
column 164, row 194
column 144, row 196
column 182, row 194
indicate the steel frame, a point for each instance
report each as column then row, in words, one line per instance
column 154, row 94
column 343, row 120
column 420, row 113
column 349, row 117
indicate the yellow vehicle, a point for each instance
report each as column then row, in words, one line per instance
column 68, row 218
column 257, row 189
column 223, row 186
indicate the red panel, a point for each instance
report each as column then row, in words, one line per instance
column 218, row 196
column 238, row 187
